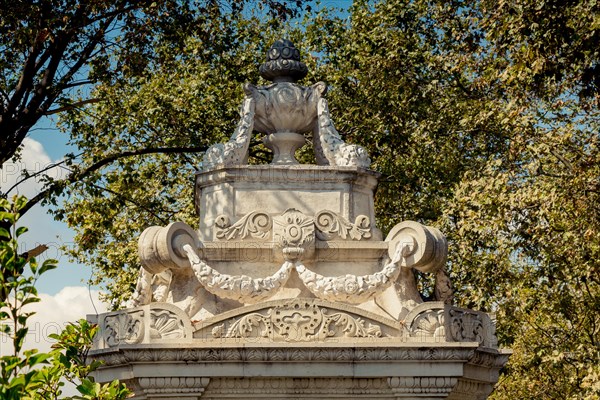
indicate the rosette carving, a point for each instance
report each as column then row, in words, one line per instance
column 351, row 288
column 331, row 225
column 294, row 232
column 255, row 224
column 240, row 288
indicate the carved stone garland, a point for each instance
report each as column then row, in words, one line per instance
column 241, row 288
column 235, row 151
column 329, row 147
column 351, row 288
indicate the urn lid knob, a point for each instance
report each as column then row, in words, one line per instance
column 283, row 63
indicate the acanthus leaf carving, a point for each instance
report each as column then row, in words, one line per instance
column 241, row 288
column 331, row 225
column 124, row 328
column 256, row 224
column 235, row 151
column 297, row 321
column 466, row 326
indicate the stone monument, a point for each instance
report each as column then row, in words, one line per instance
column 287, row 289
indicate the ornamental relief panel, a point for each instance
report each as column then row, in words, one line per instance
column 297, row 321
column 301, row 322
column 151, row 323
column 292, row 228
column 439, row 322
column 123, row 328
column 256, row 225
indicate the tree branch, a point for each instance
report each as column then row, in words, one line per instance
column 127, row 200
column 71, row 106
column 26, row 78
column 36, row 174
column 76, row 176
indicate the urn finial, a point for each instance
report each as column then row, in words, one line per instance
column 283, row 63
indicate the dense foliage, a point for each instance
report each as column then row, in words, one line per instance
column 54, row 52
column 28, row 374
column 482, row 116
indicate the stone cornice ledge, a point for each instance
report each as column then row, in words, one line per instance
column 380, row 351
column 441, row 365
column 287, row 173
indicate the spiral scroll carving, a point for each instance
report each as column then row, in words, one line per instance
column 331, row 225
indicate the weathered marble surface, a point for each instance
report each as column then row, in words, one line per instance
column 287, row 288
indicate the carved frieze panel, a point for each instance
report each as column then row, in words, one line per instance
column 170, row 387
column 259, row 387
column 151, row 323
column 436, row 321
column 342, row 354
column 422, row 385
column 297, row 320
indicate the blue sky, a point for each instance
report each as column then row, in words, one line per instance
column 46, row 145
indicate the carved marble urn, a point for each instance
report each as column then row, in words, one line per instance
column 287, row 288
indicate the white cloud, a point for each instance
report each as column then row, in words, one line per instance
column 43, row 229
column 53, row 313
column 33, row 159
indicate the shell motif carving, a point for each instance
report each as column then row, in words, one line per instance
column 331, row 225
column 429, row 324
column 298, row 321
column 255, row 224
column 241, row 288
column 351, row 289
column 123, row 328
column 165, row 324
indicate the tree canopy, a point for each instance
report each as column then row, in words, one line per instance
column 482, row 116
